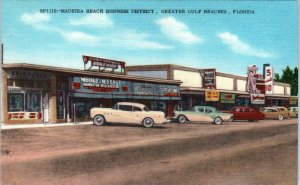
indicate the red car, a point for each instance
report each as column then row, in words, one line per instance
column 246, row 113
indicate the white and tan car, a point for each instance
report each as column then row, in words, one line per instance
column 126, row 112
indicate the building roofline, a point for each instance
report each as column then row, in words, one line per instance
column 88, row 73
column 153, row 67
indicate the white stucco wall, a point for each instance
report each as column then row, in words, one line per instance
column 224, row 83
column 288, row 91
column 241, row 85
column 153, row 74
column 189, row 79
column 278, row 89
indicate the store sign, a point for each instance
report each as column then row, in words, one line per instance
column 209, row 80
column 252, row 79
column 168, row 90
column 212, row 95
column 97, row 84
column 143, row 89
column 257, row 98
column 28, row 75
column 102, row 62
column 269, row 79
column 227, row 98
column 97, row 87
column 24, row 116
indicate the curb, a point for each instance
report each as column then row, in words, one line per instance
column 23, row 126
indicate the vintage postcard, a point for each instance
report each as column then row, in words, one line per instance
column 149, row 92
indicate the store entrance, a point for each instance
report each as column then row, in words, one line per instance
column 45, row 106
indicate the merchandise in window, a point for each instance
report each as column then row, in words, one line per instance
column 15, row 102
column 33, row 102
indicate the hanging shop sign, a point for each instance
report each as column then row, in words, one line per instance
column 212, row 95
column 269, row 79
column 227, row 98
column 257, row 98
column 28, row 75
column 209, row 80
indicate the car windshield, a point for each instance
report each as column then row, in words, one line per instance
column 115, row 107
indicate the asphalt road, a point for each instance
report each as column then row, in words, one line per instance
column 262, row 152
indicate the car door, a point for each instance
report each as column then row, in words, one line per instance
column 246, row 114
column 125, row 114
column 137, row 114
column 197, row 114
column 236, row 112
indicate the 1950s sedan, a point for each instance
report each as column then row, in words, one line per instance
column 127, row 112
column 203, row 113
column 246, row 113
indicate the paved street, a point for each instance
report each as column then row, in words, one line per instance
column 263, row 152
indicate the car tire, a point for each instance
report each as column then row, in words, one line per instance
column 148, row 122
column 218, row 121
column 99, row 120
column 280, row 117
column 181, row 119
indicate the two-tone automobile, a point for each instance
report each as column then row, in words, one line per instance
column 275, row 113
column 203, row 114
column 246, row 113
column 127, row 112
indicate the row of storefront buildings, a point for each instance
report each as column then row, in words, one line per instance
column 45, row 94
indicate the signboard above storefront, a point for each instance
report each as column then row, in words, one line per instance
column 103, row 64
column 28, row 75
column 227, row 98
column 105, row 87
column 209, row 79
column 257, row 98
column 212, row 95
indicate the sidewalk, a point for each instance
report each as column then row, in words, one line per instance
column 21, row 126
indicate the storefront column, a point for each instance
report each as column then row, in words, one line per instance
column 5, row 96
column 53, row 111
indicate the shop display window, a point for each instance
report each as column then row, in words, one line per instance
column 15, row 102
column 33, row 102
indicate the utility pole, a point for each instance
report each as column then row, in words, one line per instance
column 1, row 88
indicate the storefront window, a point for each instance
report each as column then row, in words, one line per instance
column 15, row 102
column 33, row 102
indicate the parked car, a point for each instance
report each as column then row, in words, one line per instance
column 203, row 113
column 127, row 112
column 246, row 113
column 293, row 112
column 275, row 113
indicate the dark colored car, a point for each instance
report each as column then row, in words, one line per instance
column 246, row 113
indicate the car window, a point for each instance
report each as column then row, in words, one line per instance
column 125, row 107
column 267, row 110
column 235, row 109
column 146, row 109
column 115, row 107
column 137, row 109
column 208, row 111
column 200, row 109
column 253, row 110
column 274, row 110
column 193, row 109
column 246, row 110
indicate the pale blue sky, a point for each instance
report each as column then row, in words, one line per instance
column 228, row 42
